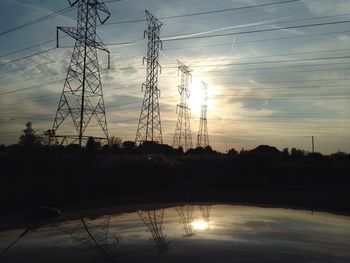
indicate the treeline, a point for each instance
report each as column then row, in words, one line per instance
column 124, row 173
column 33, row 141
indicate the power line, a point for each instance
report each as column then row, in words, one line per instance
column 266, row 62
column 135, row 41
column 31, row 87
column 288, row 81
column 205, row 12
column 135, row 93
column 124, row 43
column 280, row 81
column 216, row 44
column 195, row 37
column 229, row 9
column 37, row 20
column 61, row 80
column 129, row 105
column 50, row 49
column 274, row 72
column 43, row 18
column 27, row 48
column 259, row 40
column 227, row 72
column 286, row 66
column 112, row 1
column 280, row 61
column 289, row 87
column 290, row 98
column 179, row 38
column 28, row 56
column 287, row 54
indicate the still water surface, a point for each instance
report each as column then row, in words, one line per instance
column 189, row 233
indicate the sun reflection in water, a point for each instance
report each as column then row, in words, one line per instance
column 200, row 225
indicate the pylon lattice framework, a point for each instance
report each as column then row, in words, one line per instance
column 182, row 136
column 203, row 137
column 186, row 218
column 205, row 211
column 82, row 96
column 153, row 220
column 94, row 235
column 149, row 127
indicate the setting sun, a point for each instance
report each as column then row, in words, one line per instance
column 197, row 97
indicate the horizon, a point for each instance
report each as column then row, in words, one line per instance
column 278, row 87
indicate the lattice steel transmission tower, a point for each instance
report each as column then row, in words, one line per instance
column 149, row 127
column 203, row 137
column 94, row 235
column 186, row 218
column 153, row 220
column 205, row 211
column 82, row 97
column 183, row 136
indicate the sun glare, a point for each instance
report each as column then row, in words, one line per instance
column 197, row 95
column 200, row 225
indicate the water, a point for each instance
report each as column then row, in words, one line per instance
column 190, row 233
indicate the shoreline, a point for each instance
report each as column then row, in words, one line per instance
column 18, row 220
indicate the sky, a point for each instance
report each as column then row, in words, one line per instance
column 277, row 87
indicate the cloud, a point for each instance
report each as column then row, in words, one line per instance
column 232, row 121
column 326, row 7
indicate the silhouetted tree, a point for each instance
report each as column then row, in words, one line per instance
column 29, row 138
column 129, row 146
column 73, row 148
column 265, row 150
column 49, row 138
column 318, row 157
column 93, row 146
column 243, row 152
column 156, row 148
column 201, row 151
column 196, row 151
column 115, row 143
column 232, row 152
column 208, row 149
column 285, row 152
column 295, row 153
column 340, row 156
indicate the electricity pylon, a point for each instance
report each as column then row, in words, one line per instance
column 203, row 137
column 94, row 235
column 186, row 218
column 205, row 211
column 149, row 127
column 153, row 221
column 82, row 97
column 183, row 137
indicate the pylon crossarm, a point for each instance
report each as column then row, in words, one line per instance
column 100, row 45
column 100, row 6
column 72, row 3
column 70, row 31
